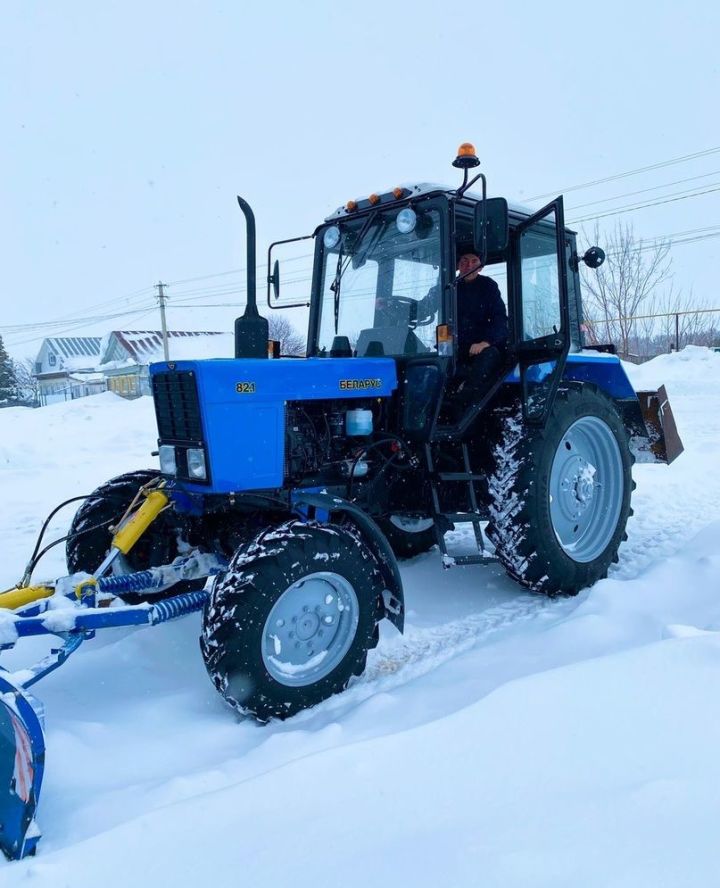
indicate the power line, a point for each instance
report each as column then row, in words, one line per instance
column 64, row 319
column 659, row 243
column 681, row 195
column 644, row 190
column 236, row 290
column 260, row 267
column 653, row 166
column 205, row 277
column 143, row 312
column 679, row 242
column 19, row 328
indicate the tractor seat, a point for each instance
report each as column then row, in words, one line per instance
column 375, row 341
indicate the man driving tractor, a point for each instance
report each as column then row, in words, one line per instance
column 482, row 325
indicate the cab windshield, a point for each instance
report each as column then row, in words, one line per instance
column 380, row 286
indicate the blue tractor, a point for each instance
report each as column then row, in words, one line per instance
column 289, row 487
column 311, row 476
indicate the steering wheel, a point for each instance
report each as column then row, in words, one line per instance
column 413, row 305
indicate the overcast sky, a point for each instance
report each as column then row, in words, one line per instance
column 128, row 129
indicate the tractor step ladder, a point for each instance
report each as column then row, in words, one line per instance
column 471, row 517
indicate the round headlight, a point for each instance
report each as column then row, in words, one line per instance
column 331, row 238
column 406, row 220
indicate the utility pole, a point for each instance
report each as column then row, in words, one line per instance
column 161, row 297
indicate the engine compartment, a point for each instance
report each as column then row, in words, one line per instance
column 325, row 441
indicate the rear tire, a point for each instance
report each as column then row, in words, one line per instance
column 406, row 541
column 560, row 495
column 292, row 619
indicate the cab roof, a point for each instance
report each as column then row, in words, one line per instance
column 417, row 189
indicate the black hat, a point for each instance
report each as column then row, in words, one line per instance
column 465, row 249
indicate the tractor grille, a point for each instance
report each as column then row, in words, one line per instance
column 177, row 406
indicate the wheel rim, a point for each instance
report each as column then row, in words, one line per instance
column 310, row 629
column 586, row 488
column 411, row 525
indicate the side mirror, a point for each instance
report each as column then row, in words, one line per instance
column 594, row 257
column 274, row 279
column 294, row 249
column 496, row 230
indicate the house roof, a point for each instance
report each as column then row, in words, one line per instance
column 75, row 346
column 144, row 345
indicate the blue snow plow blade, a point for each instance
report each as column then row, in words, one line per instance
column 22, row 760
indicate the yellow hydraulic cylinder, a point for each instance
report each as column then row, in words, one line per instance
column 15, row 598
column 135, row 526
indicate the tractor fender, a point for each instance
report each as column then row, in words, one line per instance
column 647, row 415
column 374, row 538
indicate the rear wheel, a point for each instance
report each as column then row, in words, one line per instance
column 90, row 535
column 560, row 496
column 408, row 536
column 292, row 619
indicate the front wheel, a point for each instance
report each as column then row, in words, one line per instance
column 292, row 619
column 560, row 495
column 90, row 535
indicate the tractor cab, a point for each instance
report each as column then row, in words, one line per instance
column 385, row 285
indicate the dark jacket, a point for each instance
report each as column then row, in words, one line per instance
column 481, row 315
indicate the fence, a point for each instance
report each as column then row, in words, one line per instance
column 637, row 337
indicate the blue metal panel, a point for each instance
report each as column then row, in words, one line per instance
column 242, row 403
column 605, row 371
column 287, row 379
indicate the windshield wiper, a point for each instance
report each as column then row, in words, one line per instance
column 335, row 287
column 341, row 269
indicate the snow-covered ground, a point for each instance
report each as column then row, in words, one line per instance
column 505, row 740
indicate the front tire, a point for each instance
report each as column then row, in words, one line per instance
column 90, row 536
column 292, row 619
column 560, row 495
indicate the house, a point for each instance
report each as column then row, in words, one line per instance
column 75, row 367
column 65, row 368
column 125, row 355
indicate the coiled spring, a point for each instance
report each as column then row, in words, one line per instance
column 135, row 582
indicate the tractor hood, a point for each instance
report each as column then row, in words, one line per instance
column 235, row 410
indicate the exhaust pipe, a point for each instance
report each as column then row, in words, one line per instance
column 251, row 330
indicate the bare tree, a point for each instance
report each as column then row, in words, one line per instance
column 282, row 331
column 680, row 324
column 624, row 284
column 28, row 387
column 646, row 329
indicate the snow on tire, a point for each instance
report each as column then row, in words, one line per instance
column 292, row 619
column 560, row 495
